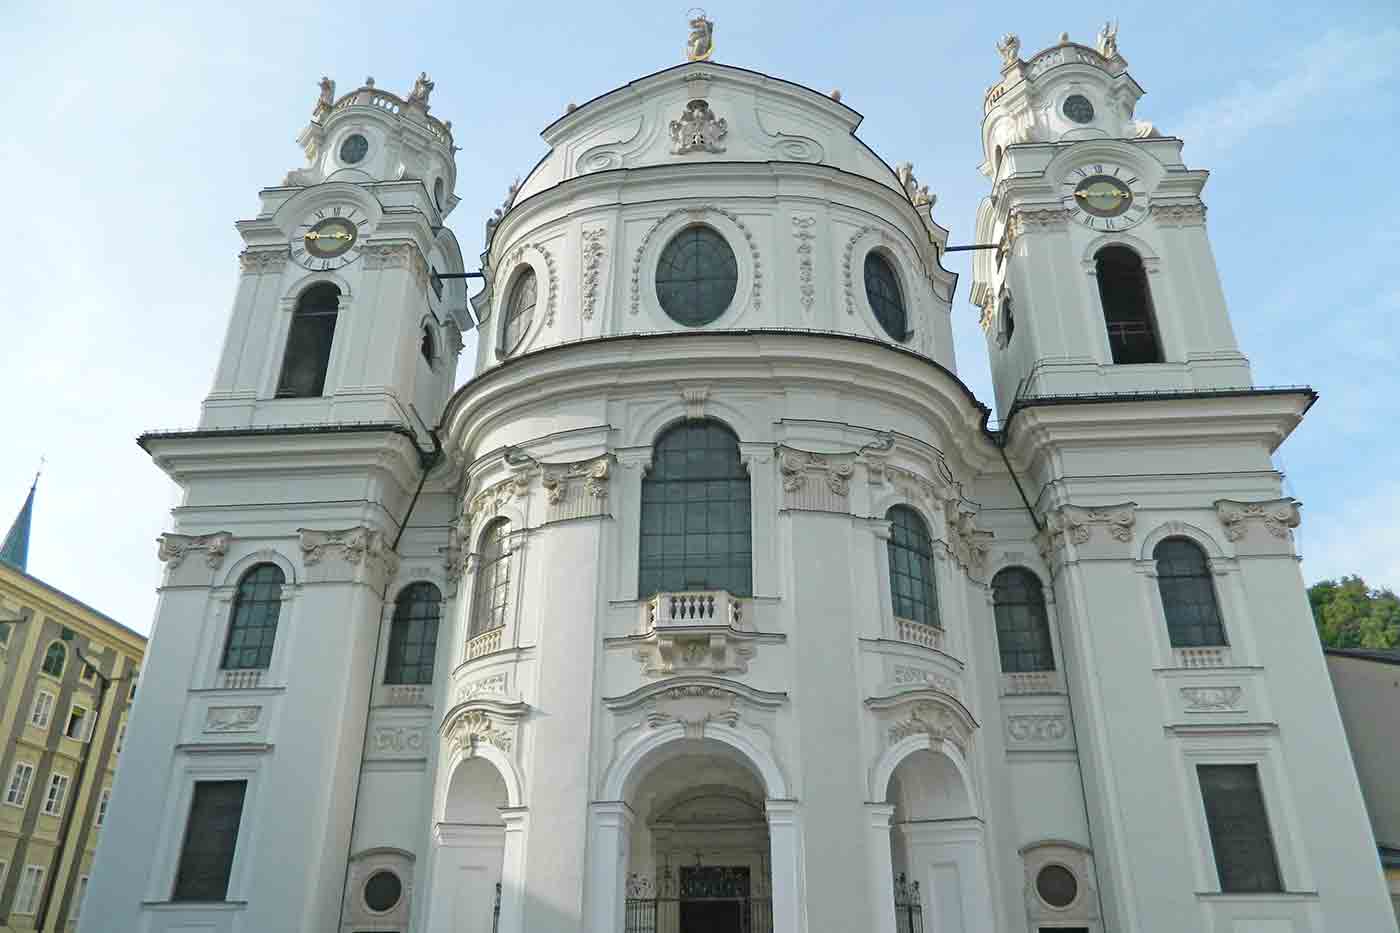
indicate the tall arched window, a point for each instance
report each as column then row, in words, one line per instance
column 492, row 597
column 697, row 533
column 1188, row 594
column 912, row 589
column 1127, row 306
column 309, row 343
column 54, row 660
column 886, row 300
column 413, row 635
column 520, row 310
column 1023, row 627
column 253, row 630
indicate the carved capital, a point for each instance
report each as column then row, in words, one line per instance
column 491, row 499
column 1072, row 525
column 173, row 548
column 1179, row 215
column 263, row 262
column 816, row 481
column 1023, row 222
column 1277, row 516
column 361, row 548
column 968, row 543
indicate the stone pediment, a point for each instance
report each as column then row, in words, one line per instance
column 924, row 711
column 694, row 702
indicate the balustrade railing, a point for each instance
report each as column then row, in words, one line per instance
column 485, row 643
column 1216, row 656
column 908, row 909
column 1031, row 682
column 930, row 636
column 241, row 680
column 697, row 607
column 406, row 695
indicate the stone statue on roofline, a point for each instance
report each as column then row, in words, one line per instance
column 327, row 98
column 421, row 89
column 1010, row 49
column 1107, row 43
column 918, row 194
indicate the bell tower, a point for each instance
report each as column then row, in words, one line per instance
column 340, row 315
column 1103, row 281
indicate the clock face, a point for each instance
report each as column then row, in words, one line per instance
column 329, row 237
column 1102, row 196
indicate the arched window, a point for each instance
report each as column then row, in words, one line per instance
column 886, row 300
column 696, row 276
column 413, row 635
column 1188, row 594
column 54, row 660
column 520, row 310
column 912, row 588
column 1127, row 306
column 309, row 343
column 697, row 533
column 256, row 606
column 1023, row 628
column 427, row 346
column 492, row 579
column 1006, row 327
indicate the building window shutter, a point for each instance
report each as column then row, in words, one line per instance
column 211, row 836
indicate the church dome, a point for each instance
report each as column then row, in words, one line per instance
column 709, row 197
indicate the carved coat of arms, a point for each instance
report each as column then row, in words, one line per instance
column 698, row 130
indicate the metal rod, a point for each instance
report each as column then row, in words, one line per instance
column 959, row 249
column 461, row 275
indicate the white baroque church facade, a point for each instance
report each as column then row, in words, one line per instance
column 712, row 602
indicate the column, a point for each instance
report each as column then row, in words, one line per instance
column 785, row 856
column 517, row 821
column 608, row 840
column 881, row 867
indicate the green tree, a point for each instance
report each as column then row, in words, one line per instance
column 1349, row 614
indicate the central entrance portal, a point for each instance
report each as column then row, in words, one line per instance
column 714, row 899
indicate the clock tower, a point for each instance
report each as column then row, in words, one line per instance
column 1102, row 281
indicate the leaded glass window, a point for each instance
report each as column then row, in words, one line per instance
column 1023, row 626
column 211, row 837
column 309, row 340
column 413, row 635
column 697, row 276
column 697, row 530
column 1188, row 595
column 253, row 631
column 54, row 660
column 520, row 310
column 886, row 300
column 912, row 589
column 492, row 579
column 1239, row 828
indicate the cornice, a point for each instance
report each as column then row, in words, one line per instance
column 696, row 685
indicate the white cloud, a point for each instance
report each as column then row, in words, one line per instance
column 1330, row 69
column 1360, row 536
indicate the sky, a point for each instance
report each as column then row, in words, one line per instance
column 137, row 133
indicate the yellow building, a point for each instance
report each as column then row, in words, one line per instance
column 67, row 680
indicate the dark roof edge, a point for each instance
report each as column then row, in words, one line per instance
column 1366, row 654
column 77, row 602
column 1101, row 398
column 366, row 427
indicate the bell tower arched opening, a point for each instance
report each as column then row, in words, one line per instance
column 1127, row 306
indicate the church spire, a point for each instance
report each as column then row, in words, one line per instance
column 15, row 550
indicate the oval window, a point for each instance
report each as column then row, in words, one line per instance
column 353, row 149
column 520, row 311
column 1056, row 886
column 382, row 891
column 886, row 300
column 696, row 277
column 1078, row 108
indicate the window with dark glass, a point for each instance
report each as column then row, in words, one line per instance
column 886, row 300
column 426, row 345
column 1188, row 594
column 1023, row 626
column 413, row 635
column 1008, row 322
column 253, row 630
column 1127, row 306
column 912, row 589
column 696, row 276
column 383, row 891
column 211, row 836
column 697, row 533
column 309, row 343
column 54, row 660
column 492, row 597
column 1078, row 108
column 1239, row 828
column 520, row 310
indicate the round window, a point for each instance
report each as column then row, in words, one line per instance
column 1078, row 108
column 382, row 891
column 1056, row 886
column 437, row 192
column 353, row 149
column 520, row 310
column 886, row 300
column 697, row 276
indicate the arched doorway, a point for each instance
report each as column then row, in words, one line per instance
column 469, row 851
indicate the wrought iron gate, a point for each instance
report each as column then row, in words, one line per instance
column 701, row 899
column 908, row 910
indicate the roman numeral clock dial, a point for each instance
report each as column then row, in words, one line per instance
column 329, row 237
column 1103, row 196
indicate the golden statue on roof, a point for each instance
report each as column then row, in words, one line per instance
column 701, row 43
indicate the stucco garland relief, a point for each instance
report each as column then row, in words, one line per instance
column 1212, row 699
column 594, row 248
column 1179, row 215
column 906, row 676
column 697, row 211
column 552, row 287
column 802, row 231
column 1278, row 516
column 220, row 719
column 1037, row 728
column 172, row 548
column 359, row 547
column 988, row 318
column 398, row 740
column 262, row 262
column 1072, row 524
column 494, row 685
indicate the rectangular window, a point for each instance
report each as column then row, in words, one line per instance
column 131, row 694
column 102, row 806
column 20, row 778
column 43, row 709
column 211, row 836
column 89, row 673
column 58, row 792
column 30, row 884
column 77, row 723
column 121, row 737
column 79, row 898
column 1239, row 828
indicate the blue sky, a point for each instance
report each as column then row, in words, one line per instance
column 138, row 133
